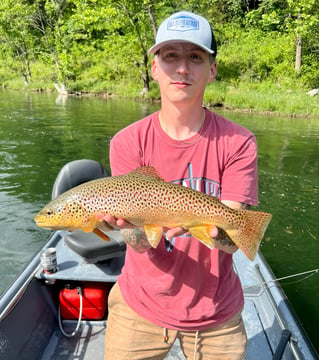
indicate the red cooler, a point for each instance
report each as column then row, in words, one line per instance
column 94, row 301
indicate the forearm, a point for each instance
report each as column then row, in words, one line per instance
column 136, row 238
column 132, row 235
column 223, row 239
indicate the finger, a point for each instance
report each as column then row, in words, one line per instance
column 214, row 232
column 117, row 223
column 111, row 220
column 170, row 233
column 123, row 224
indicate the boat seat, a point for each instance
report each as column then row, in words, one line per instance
column 92, row 248
column 88, row 245
column 75, row 173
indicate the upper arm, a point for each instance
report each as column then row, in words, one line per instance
column 239, row 182
column 124, row 153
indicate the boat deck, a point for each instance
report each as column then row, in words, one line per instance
column 87, row 344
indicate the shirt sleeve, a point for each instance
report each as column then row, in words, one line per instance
column 124, row 152
column 239, row 181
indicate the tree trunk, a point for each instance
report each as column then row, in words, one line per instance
column 144, row 70
column 298, row 54
column 151, row 16
column 298, row 47
column 60, row 88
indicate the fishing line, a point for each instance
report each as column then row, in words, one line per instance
column 309, row 273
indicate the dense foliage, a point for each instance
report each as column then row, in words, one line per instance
column 101, row 45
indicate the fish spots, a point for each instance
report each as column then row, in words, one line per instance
column 141, row 198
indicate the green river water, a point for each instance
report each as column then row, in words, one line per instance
column 39, row 133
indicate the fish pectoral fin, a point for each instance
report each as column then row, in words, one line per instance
column 96, row 225
column 90, row 224
column 101, row 234
column 202, row 233
column 87, row 228
column 154, row 234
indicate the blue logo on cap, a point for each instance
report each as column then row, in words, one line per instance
column 183, row 23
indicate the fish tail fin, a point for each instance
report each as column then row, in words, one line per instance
column 250, row 231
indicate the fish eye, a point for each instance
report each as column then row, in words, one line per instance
column 49, row 212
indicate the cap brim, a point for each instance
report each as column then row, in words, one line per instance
column 156, row 47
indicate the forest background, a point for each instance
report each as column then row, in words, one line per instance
column 268, row 50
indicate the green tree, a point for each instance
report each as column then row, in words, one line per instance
column 297, row 17
column 97, row 44
column 17, row 39
column 85, row 33
column 303, row 21
column 48, row 19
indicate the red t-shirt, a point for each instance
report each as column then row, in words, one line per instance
column 184, row 285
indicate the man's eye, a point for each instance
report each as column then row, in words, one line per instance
column 195, row 57
column 170, row 55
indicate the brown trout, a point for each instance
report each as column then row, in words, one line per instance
column 144, row 199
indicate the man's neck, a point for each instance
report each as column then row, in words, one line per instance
column 182, row 123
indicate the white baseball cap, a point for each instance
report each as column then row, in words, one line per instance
column 185, row 26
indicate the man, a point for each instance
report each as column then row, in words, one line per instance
column 182, row 289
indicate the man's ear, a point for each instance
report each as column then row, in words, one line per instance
column 154, row 69
column 213, row 72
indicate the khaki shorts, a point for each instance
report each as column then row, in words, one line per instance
column 131, row 337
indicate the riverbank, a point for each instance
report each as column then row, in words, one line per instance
column 264, row 100
column 257, row 98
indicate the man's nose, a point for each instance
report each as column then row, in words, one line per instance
column 183, row 66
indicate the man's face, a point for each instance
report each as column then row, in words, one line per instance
column 182, row 70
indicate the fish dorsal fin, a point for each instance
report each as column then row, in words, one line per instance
column 147, row 171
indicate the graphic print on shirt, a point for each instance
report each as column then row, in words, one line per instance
column 209, row 187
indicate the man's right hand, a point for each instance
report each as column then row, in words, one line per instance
column 132, row 235
column 117, row 223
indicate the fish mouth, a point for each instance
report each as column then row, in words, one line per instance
column 47, row 225
column 43, row 223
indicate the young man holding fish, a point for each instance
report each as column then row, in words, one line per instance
column 182, row 289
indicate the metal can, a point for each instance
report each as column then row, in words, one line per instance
column 48, row 260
